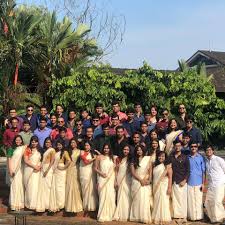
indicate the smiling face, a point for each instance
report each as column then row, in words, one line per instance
column 48, row 144
column 162, row 157
column 126, row 151
column 34, row 144
column 153, row 111
column 87, row 147
column 106, row 150
column 209, row 152
column 59, row 146
column 18, row 141
column 140, row 152
column 73, row 144
column 173, row 124
column 155, row 145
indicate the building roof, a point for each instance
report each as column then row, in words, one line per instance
column 210, row 58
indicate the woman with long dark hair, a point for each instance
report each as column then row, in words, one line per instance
column 173, row 134
column 154, row 149
column 61, row 162
column 88, row 178
column 45, row 182
column 73, row 202
column 141, row 170
column 162, row 188
column 123, row 185
column 32, row 159
column 105, row 169
column 14, row 164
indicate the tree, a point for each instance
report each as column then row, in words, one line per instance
column 147, row 86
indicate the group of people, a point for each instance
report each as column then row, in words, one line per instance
column 126, row 166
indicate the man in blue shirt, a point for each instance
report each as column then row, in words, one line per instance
column 130, row 124
column 42, row 132
column 195, row 184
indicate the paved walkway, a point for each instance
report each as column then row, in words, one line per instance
column 6, row 219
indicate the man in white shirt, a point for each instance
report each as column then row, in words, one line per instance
column 215, row 170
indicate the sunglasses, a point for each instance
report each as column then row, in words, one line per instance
column 181, row 107
column 95, row 120
column 165, row 114
column 189, row 121
column 79, row 124
column 30, row 110
column 61, row 121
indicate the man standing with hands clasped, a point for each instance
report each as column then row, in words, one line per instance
column 215, row 170
column 196, row 184
column 180, row 166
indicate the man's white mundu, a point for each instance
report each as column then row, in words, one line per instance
column 215, row 168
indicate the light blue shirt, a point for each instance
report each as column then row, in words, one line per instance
column 197, row 169
column 42, row 135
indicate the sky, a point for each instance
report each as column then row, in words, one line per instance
column 163, row 31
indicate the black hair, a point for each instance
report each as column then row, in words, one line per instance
column 130, row 110
column 144, row 122
column 170, row 121
column 44, row 106
column 151, row 149
column 105, row 125
column 154, row 130
column 110, row 150
column 209, row 146
column 12, row 108
column 136, row 159
column 129, row 157
column 119, row 127
column 95, row 116
column 62, row 142
column 186, row 135
column 14, row 141
column 115, row 102
column 46, row 139
column 13, row 118
column 166, row 162
column 26, row 122
column 98, row 105
column 42, row 118
column 137, row 103
column 35, row 138
column 70, row 150
column 62, row 129
column 114, row 115
column 59, row 105
column 91, row 145
column 53, row 114
column 28, row 106
column 176, row 141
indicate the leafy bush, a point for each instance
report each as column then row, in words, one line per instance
column 147, row 86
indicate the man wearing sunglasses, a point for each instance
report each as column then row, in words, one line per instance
column 193, row 132
column 182, row 115
column 195, row 184
column 30, row 117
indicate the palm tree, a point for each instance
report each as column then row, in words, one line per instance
column 64, row 48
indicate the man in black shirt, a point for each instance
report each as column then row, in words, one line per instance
column 103, row 138
column 118, row 141
column 181, row 168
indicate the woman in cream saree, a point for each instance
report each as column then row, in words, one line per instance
column 88, row 179
column 32, row 159
column 58, row 187
column 172, row 135
column 162, row 188
column 45, row 181
column 14, row 163
column 104, row 167
column 73, row 202
column 141, row 170
column 123, row 184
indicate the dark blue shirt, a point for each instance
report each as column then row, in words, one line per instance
column 48, row 121
column 32, row 120
column 195, row 135
column 131, row 127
